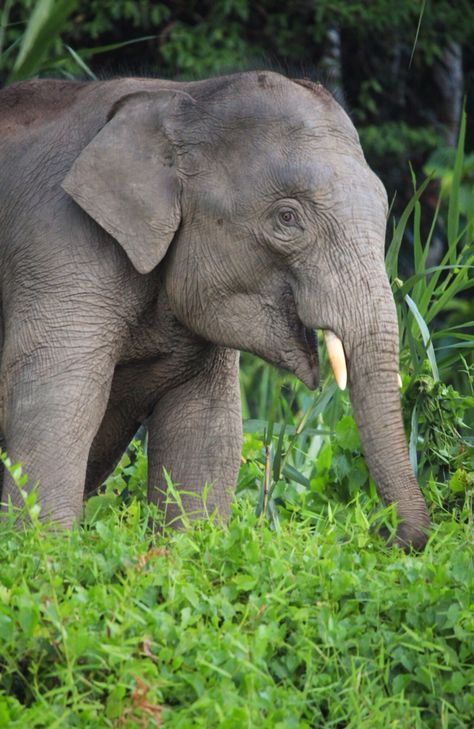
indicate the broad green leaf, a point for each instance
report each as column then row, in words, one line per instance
column 425, row 335
column 44, row 26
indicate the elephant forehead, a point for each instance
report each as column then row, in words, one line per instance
column 249, row 111
column 272, row 98
column 247, row 137
column 286, row 170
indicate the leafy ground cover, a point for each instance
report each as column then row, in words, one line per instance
column 315, row 624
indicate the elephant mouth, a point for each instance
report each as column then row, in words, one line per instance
column 308, row 371
column 306, row 365
column 336, row 356
column 311, row 341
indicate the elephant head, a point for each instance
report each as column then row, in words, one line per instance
column 254, row 192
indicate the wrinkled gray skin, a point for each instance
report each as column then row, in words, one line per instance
column 145, row 238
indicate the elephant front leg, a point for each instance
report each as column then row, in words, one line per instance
column 52, row 411
column 195, row 433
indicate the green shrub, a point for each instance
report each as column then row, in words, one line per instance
column 315, row 624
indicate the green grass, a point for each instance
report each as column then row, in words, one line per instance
column 316, row 624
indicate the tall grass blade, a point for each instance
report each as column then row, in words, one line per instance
column 466, row 343
column 470, row 220
column 420, row 18
column 44, row 26
column 321, row 403
column 425, row 335
column 97, row 50
column 278, row 454
column 454, row 193
column 391, row 258
column 460, row 283
column 457, row 272
column 407, row 335
column 411, row 282
column 82, row 64
column 9, row 50
column 3, row 24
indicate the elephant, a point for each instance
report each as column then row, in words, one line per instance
column 150, row 229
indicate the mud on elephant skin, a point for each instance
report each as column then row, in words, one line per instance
column 150, row 229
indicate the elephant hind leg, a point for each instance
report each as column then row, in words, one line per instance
column 110, row 443
column 132, row 396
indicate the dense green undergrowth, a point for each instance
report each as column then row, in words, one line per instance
column 316, row 624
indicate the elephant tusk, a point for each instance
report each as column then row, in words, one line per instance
column 400, row 383
column 336, row 358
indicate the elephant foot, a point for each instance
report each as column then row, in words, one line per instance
column 409, row 536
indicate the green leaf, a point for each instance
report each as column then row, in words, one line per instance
column 425, row 335
column 324, row 458
column 391, row 258
column 292, row 473
column 28, row 616
column 100, row 506
column 245, row 582
column 454, row 194
column 44, row 26
column 7, row 627
column 5, row 715
column 115, row 704
column 82, row 64
column 347, row 435
column 461, row 481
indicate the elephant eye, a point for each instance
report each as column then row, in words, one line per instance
column 288, row 217
column 287, row 220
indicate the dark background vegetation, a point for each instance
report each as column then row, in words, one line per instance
column 404, row 71
column 401, row 68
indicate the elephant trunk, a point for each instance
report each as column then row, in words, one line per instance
column 372, row 349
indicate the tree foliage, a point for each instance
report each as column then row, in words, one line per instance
column 383, row 74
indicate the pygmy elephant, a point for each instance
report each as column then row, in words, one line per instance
column 151, row 229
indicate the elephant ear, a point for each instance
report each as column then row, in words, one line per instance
column 127, row 179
